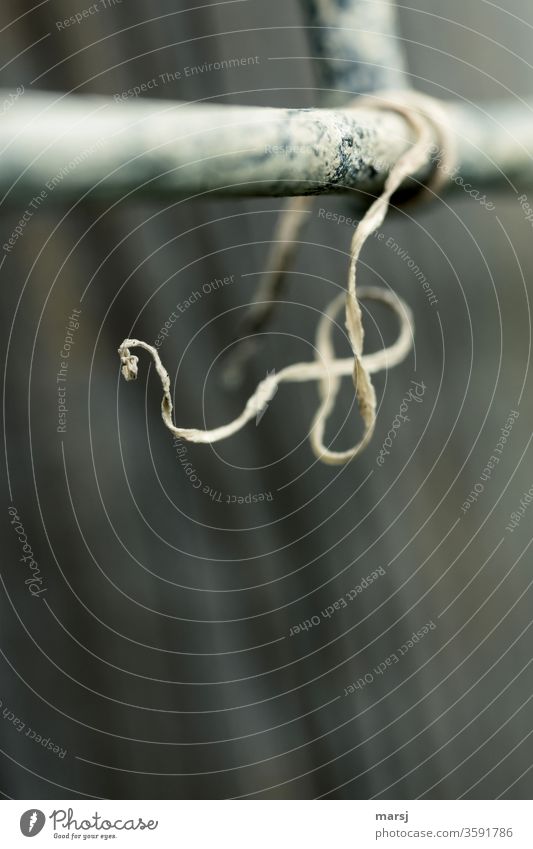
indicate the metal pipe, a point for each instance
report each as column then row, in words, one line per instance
column 66, row 145
column 355, row 47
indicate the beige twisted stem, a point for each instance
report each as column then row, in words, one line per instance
column 426, row 118
column 325, row 368
column 292, row 220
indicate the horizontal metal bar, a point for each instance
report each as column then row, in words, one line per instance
column 64, row 145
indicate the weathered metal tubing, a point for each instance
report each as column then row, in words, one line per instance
column 355, row 47
column 64, row 145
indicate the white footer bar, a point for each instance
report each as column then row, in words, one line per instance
column 267, row 824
